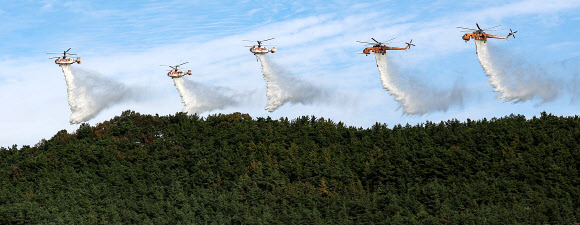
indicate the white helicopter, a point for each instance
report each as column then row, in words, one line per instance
column 260, row 49
column 175, row 72
column 64, row 60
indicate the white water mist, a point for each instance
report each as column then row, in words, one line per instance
column 89, row 94
column 81, row 106
column 515, row 81
column 281, row 87
column 412, row 95
column 199, row 98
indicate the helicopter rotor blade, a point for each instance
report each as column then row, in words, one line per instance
column 259, row 41
column 466, row 29
column 478, row 26
column 389, row 40
column 67, row 50
column 492, row 27
column 376, row 41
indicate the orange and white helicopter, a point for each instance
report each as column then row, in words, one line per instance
column 64, row 60
column 175, row 72
column 260, row 49
column 479, row 34
column 380, row 47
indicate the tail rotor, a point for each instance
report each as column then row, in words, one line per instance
column 409, row 44
column 512, row 33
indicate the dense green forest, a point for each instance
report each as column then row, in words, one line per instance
column 234, row 169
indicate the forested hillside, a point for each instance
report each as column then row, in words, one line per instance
column 234, row 169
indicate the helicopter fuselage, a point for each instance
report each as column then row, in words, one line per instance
column 481, row 36
column 381, row 49
column 178, row 73
column 256, row 49
column 67, row 60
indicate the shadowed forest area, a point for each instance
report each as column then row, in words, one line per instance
column 234, row 169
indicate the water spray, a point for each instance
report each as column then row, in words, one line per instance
column 198, row 98
column 412, row 95
column 81, row 105
column 282, row 87
column 514, row 81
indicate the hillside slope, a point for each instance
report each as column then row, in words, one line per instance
column 233, row 169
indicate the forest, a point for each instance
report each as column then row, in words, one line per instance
column 235, row 169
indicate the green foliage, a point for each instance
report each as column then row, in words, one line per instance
column 233, row 169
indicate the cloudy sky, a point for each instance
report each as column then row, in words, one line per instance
column 124, row 42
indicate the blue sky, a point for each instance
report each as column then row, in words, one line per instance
column 125, row 41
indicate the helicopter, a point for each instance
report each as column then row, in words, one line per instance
column 175, row 72
column 64, row 60
column 479, row 34
column 380, row 47
column 260, row 49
